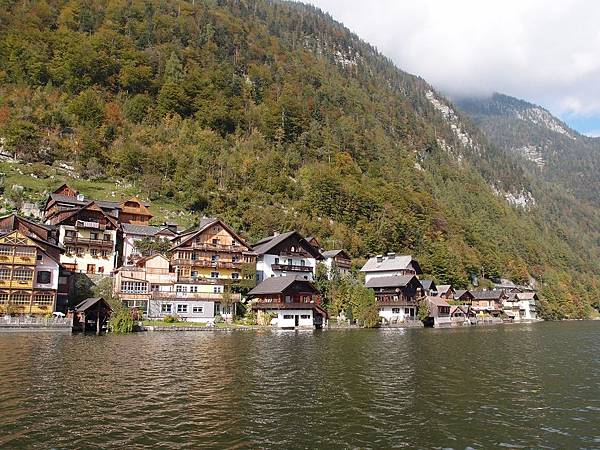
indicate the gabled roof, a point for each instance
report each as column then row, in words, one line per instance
column 89, row 302
column 145, row 230
column 443, row 288
column 390, row 264
column 527, row 296
column 461, row 292
column 428, row 284
column 437, row 301
column 265, row 245
column 464, row 308
column 277, row 285
column 390, row 282
column 487, row 295
column 36, row 242
column 91, row 206
column 205, row 223
column 333, row 253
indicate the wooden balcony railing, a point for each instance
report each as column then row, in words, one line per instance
column 93, row 242
column 291, row 268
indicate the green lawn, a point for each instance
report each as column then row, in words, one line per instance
column 160, row 323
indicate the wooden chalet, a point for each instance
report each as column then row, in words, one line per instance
column 488, row 302
column 337, row 261
column 445, row 291
column 285, row 254
column 429, row 287
column 295, row 301
column 397, row 296
column 464, row 296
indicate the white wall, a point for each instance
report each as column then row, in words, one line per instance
column 264, row 263
column 46, row 264
column 386, row 273
column 290, row 323
column 82, row 262
column 387, row 313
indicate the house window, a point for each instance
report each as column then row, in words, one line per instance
column 193, row 288
column 214, row 274
column 235, row 276
column 107, row 237
column 104, row 253
column 407, row 311
column 5, row 250
column 25, row 251
column 44, row 299
column 305, row 316
column 70, row 250
column 395, row 310
column 4, row 274
column 94, row 253
column 198, row 309
column 43, row 277
column 79, row 251
column 182, row 308
column 302, row 262
column 288, row 316
column 166, row 308
column 94, row 236
column 3, row 298
column 194, row 274
column 134, row 287
column 276, row 260
column 217, row 289
column 214, row 258
column 181, row 289
column 235, row 259
column 39, row 257
column 215, row 241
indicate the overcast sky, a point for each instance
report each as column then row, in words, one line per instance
column 543, row 51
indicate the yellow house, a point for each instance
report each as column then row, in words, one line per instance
column 28, row 276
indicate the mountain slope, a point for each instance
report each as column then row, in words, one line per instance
column 273, row 116
column 555, row 152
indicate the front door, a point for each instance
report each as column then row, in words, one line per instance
column 91, row 268
column 296, row 320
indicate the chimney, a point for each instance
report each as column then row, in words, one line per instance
column 275, row 233
column 80, row 197
column 379, row 258
column 391, row 255
column 171, row 226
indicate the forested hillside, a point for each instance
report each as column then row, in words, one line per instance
column 273, row 116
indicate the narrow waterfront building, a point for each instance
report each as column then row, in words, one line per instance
column 295, row 302
column 397, row 297
column 134, row 233
column 29, row 276
column 337, row 262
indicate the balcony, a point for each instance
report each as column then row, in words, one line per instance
column 90, row 225
column 217, row 247
column 105, row 243
column 207, row 263
column 291, row 268
column 205, row 280
column 200, row 296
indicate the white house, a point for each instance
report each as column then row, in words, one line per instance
column 285, row 254
column 336, row 261
column 390, row 265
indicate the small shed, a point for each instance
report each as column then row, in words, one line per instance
column 92, row 312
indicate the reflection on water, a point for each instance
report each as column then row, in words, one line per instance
column 529, row 385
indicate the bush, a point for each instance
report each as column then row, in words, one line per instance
column 121, row 322
column 219, row 318
column 170, row 319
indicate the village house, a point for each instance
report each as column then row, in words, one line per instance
column 488, row 303
column 464, row 296
column 429, row 287
column 295, row 301
column 445, row 291
column 521, row 306
column 133, row 233
column 462, row 313
column 439, row 312
column 390, row 265
column 46, row 237
column 397, row 297
column 337, row 262
column 285, row 254
column 89, row 236
column 207, row 261
column 29, row 276
column 132, row 210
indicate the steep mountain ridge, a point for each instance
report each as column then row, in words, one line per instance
column 273, row 116
column 554, row 152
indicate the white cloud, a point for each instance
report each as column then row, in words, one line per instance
column 546, row 51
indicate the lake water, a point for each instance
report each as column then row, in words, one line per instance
column 513, row 386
